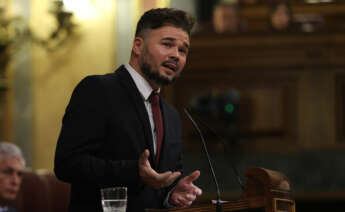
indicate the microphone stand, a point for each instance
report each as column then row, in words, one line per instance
column 234, row 169
column 218, row 204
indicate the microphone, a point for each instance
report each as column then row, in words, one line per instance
column 234, row 169
column 218, row 204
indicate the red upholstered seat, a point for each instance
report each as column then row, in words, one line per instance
column 42, row 192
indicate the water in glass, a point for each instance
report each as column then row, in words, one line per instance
column 116, row 205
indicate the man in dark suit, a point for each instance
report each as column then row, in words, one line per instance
column 12, row 164
column 117, row 132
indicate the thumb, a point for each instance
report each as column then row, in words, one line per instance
column 144, row 157
column 193, row 176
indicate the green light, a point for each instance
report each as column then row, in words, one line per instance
column 229, row 108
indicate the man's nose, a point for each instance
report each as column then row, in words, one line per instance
column 175, row 54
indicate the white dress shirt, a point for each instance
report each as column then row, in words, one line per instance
column 145, row 90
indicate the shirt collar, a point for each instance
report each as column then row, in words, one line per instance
column 143, row 86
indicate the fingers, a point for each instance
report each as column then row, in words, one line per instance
column 197, row 191
column 183, row 200
column 167, row 178
column 151, row 177
column 185, row 191
column 193, row 176
column 164, row 180
column 190, row 198
column 194, row 190
column 172, row 178
column 186, row 184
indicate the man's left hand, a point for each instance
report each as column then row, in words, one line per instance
column 185, row 191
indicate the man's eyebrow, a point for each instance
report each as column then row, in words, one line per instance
column 174, row 39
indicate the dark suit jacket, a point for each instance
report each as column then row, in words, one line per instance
column 104, row 131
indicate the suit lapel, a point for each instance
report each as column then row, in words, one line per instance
column 137, row 100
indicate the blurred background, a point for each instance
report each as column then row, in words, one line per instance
column 265, row 79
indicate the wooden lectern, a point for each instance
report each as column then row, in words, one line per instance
column 265, row 191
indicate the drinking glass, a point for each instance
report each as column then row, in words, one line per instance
column 114, row 199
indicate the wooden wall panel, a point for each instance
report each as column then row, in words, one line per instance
column 268, row 51
column 292, row 87
column 266, row 110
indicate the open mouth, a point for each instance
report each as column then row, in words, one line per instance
column 171, row 65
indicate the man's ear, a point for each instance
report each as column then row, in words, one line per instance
column 138, row 44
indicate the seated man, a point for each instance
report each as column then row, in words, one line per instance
column 12, row 164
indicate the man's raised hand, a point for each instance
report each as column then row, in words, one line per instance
column 150, row 177
column 185, row 191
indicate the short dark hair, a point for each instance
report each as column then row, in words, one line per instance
column 159, row 17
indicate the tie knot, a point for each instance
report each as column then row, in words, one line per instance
column 154, row 98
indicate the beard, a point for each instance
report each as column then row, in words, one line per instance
column 154, row 75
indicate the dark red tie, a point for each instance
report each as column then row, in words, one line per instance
column 157, row 117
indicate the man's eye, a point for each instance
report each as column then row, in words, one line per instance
column 183, row 51
column 10, row 172
column 6, row 172
column 167, row 44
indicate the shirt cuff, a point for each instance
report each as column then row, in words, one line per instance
column 166, row 203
